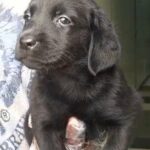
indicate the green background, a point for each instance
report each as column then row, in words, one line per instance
column 131, row 19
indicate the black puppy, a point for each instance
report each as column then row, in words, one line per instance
column 74, row 49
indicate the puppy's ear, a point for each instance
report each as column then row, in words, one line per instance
column 104, row 49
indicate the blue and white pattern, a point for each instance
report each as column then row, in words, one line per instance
column 10, row 76
column 14, row 78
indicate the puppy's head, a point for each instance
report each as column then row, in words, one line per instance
column 58, row 33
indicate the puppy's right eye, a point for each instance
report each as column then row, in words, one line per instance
column 63, row 21
column 27, row 16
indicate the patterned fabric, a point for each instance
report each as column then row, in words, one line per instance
column 14, row 78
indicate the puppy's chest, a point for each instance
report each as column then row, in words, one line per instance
column 71, row 100
column 52, row 97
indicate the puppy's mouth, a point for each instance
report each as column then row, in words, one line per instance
column 32, row 64
column 43, row 65
column 34, row 60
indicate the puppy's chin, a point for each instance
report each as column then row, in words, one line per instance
column 32, row 64
column 49, row 67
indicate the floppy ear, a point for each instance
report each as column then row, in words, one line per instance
column 104, row 49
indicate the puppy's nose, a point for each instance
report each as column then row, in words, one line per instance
column 28, row 42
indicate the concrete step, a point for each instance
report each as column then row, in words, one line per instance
column 146, row 106
column 145, row 91
column 146, row 100
column 137, row 149
column 141, row 142
column 142, row 132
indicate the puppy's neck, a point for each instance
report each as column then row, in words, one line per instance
column 75, row 82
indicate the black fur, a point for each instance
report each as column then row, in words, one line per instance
column 77, row 73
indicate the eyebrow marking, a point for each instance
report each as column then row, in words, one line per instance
column 33, row 8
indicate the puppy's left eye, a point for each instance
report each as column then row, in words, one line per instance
column 63, row 21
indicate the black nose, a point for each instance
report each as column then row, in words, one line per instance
column 28, row 42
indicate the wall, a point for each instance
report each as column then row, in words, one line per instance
column 122, row 13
